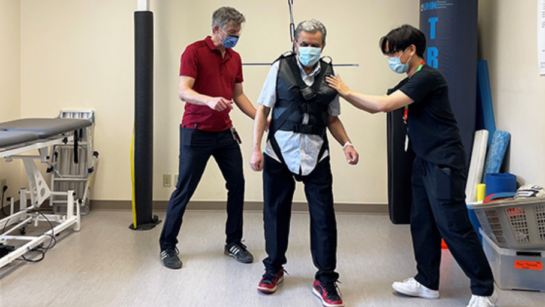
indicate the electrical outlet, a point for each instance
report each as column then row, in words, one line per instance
column 167, row 180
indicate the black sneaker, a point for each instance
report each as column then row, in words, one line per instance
column 239, row 252
column 170, row 258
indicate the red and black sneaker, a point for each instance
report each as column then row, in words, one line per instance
column 328, row 294
column 270, row 280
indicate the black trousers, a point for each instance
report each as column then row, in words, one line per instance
column 278, row 187
column 196, row 147
column 439, row 211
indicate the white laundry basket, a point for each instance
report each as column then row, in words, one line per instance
column 516, row 224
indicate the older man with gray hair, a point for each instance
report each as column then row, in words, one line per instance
column 210, row 80
column 303, row 107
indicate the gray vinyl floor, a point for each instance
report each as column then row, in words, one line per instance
column 106, row 264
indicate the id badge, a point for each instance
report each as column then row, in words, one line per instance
column 235, row 135
column 407, row 140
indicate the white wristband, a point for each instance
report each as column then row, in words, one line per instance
column 347, row 144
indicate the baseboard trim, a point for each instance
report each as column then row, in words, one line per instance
column 248, row 206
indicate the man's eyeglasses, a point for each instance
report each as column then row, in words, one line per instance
column 231, row 32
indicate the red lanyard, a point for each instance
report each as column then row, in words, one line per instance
column 406, row 112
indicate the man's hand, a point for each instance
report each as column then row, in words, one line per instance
column 338, row 84
column 256, row 161
column 351, row 155
column 219, row 104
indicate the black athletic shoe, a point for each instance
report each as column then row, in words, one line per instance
column 170, row 258
column 239, row 252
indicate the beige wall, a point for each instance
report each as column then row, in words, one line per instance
column 10, row 77
column 508, row 40
column 79, row 54
column 265, row 37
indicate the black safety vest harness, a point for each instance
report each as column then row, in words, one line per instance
column 294, row 99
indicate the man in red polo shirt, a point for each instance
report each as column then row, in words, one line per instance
column 210, row 81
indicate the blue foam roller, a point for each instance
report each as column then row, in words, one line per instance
column 500, row 183
column 496, row 152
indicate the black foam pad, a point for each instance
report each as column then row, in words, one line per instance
column 400, row 166
column 143, row 116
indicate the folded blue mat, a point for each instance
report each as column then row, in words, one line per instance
column 500, row 183
column 502, row 195
column 496, row 152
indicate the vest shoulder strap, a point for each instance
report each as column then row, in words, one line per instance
column 284, row 55
column 307, row 92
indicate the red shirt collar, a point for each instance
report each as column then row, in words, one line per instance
column 212, row 47
column 210, row 43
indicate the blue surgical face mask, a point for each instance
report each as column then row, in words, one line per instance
column 397, row 66
column 308, row 56
column 230, row 41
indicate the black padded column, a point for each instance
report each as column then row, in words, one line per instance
column 143, row 120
